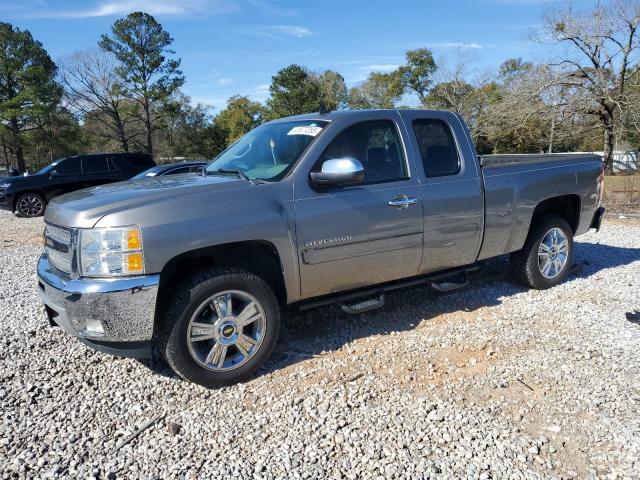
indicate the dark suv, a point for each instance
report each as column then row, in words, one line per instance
column 29, row 195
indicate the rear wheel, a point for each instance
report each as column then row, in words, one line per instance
column 222, row 326
column 30, row 204
column 545, row 259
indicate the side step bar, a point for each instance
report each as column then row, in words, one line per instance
column 454, row 282
column 365, row 305
column 364, row 300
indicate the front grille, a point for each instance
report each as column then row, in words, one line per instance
column 58, row 246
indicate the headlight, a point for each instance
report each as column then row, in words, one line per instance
column 106, row 252
column 5, row 185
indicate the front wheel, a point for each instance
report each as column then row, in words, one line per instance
column 30, row 205
column 221, row 327
column 546, row 256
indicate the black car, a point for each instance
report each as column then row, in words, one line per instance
column 172, row 169
column 29, row 195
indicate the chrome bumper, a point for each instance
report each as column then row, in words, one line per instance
column 107, row 314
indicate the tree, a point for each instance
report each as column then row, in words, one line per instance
column 417, row 72
column 379, row 90
column 28, row 89
column 141, row 46
column 186, row 130
column 241, row 115
column 94, row 89
column 293, row 91
column 333, row 90
column 600, row 61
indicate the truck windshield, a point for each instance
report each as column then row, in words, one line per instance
column 268, row 151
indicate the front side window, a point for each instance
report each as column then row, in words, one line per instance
column 375, row 144
column 69, row 166
column 437, row 147
column 269, row 151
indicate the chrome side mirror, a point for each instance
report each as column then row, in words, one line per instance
column 338, row 172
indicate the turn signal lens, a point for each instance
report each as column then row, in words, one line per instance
column 134, row 242
column 134, row 263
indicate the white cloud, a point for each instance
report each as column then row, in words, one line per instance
column 278, row 31
column 289, row 30
column 153, row 7
column 380, row 67
column 224, row 81
column 462, row 45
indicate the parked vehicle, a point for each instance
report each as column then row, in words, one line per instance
column 301, row 212
column 172, row 169
column 29, row 195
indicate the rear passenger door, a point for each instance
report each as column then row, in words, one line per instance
column 451, row 189
column 360, row 235
column 96, row 170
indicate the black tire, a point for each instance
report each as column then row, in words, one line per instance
column 190, row 296
column 30, row 204
column 524, row 263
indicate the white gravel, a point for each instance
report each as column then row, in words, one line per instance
column 492, row 381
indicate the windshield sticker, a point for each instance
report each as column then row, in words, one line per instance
column 310, row 130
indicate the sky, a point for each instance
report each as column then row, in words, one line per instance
column 233, row 47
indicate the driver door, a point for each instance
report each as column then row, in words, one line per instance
column 364, row 234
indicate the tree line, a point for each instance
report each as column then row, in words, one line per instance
column 125, row 94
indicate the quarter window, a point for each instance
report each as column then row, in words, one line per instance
column 437, row 147
column 376, row 145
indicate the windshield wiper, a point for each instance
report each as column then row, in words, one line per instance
column 235, row 171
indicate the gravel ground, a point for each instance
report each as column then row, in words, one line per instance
column 492, row 381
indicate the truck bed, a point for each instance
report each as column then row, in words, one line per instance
column 515, row 184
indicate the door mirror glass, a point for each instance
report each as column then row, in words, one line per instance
column 338, row 172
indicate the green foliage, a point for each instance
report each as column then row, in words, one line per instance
column 293, row 92
column 417, row 72
column 28, row 89
column 185, row 131
column 333, row 90
column 141, row 46
column 241, row 115
column 380, row 90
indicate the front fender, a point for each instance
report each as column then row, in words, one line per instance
column 179, row 225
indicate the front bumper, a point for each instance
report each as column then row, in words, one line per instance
column 111, row 315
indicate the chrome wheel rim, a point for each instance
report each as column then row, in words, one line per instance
column 226, row 330
column 553, row 253
column 30, row 205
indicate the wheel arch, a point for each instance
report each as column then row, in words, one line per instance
column 565, row 206
column 259, row 257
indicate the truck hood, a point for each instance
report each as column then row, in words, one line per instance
column 32, row 180
column 84, row 208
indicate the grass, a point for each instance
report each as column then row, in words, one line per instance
column 622, row 193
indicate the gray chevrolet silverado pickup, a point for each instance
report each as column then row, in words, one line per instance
column 336, row 207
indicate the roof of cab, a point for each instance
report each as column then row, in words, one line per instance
column 335, row 114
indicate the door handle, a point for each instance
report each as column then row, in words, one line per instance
column 402, row 201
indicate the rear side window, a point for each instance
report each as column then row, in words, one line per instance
column 96, row 164
column 437, row 147
column 69, row 166
column 376, row 144
column 177, row 171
